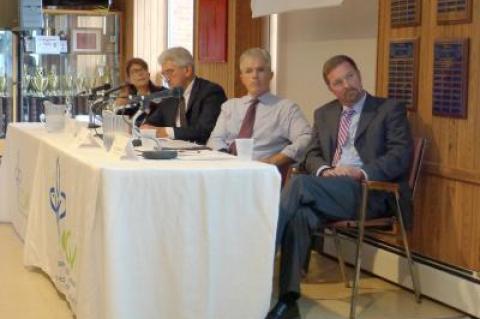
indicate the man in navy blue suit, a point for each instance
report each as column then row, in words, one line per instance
column 355, row 137
column 193, row 116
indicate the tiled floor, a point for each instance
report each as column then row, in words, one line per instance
column 27, row 294
column 326, row 297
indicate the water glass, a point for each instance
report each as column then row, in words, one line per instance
column 54, row 118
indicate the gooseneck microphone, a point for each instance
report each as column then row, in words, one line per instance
column 95, row 90
column 144, row 101
column 109, row 91
column 156, row 97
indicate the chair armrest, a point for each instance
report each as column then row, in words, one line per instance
column 371, row 223
column 296, row 170
column 383, row 186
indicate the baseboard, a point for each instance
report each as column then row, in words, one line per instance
column 449, row 285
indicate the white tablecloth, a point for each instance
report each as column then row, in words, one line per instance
column 142, row 239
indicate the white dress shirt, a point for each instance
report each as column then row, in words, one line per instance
column 186, row 96
column 280, row 126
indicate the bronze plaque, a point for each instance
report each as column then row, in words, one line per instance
column 404, row 13
column 454, row 11
column 403, row 72
column 450, row 78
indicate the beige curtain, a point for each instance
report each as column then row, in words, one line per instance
column 150, row 33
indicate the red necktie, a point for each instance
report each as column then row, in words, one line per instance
column 342, row 136
column 246, row 130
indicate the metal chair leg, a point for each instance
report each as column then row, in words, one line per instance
column 358, row 259
column 411, row 265
column 341, row 261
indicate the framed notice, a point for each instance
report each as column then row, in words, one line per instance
column 403, row 71
column 450, row 78
column 454, row 11
column 212, row 30
column 405, row 13
column 86, row 40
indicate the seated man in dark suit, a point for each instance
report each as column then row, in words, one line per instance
column 192, row 117
column 355, row 137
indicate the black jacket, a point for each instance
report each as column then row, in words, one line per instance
column 203, row 109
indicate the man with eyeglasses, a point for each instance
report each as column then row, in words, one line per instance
column 193, row 116
column 357, row 136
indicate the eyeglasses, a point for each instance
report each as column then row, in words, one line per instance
column 136, row 71
column 167, row 73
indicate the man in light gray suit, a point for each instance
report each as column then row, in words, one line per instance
column 355, row 137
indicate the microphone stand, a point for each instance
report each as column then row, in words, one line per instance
column 136, row 134
column 91, row 114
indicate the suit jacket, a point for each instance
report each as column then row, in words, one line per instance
column 383, row 141
column 203, row 109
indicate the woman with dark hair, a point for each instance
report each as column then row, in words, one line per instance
column 138, row 82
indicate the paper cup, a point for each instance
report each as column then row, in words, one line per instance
column 244, row 148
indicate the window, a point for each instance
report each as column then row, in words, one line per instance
column 180, row 24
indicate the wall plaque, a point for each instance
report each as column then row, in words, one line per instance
column 450, row 78
column 403, row 71
column 454, row 11
column 212, row 30
column 404, row 13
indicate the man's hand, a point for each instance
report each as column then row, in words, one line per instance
column 353, row 172
column 160, row 131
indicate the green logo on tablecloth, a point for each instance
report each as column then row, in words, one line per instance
column 58, row 205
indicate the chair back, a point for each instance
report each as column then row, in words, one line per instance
column 419, row 145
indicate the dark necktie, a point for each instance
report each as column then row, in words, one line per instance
column 342, row 136
column 182, row 112
column 246, row 130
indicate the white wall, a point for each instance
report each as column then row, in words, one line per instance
column 305, row 39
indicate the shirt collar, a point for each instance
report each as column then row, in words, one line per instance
column 188, row 90
column 358, row 107
column 264, row 98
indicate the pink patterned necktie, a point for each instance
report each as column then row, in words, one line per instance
column 342, row 136
column 246, row 130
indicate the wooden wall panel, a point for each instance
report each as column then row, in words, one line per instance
column 127, row 8
column 447, row 208
column 243, row 33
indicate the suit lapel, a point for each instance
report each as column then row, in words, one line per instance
column 193, row 94
column 368, row 114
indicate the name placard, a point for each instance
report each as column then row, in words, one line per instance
column 403, row 72
column 450, row 78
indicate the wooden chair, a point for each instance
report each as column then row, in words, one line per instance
column 361, row 224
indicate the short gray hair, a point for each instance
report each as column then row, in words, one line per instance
column 178, row 55
column 257, row 53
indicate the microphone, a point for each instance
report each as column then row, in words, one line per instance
column 93, row 91
column 144, row 104
column 109, row 90
column 157, row 97
column 103, row 87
